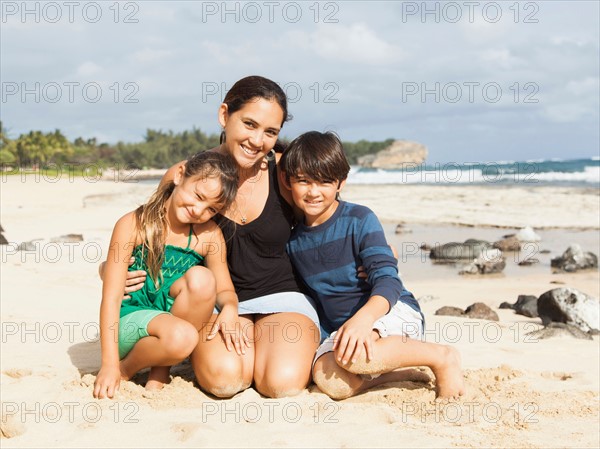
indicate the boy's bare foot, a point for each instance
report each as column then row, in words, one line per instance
column 158, row 377
column 448, row 376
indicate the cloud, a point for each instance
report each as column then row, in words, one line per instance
column 356, row 43
column 88, row 68
column 149, row 55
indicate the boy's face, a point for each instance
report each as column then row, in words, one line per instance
column 316, row 199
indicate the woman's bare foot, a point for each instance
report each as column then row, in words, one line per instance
column 158, row 377
column 448, row 376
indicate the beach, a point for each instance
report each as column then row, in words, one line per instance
column 522, row 391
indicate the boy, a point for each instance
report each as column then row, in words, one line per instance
column 374, row 325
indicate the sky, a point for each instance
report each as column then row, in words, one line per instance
column 474, row 81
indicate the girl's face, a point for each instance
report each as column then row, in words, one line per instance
column 252, row 131
column 195, row 199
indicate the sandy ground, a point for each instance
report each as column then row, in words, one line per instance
column 522, row 392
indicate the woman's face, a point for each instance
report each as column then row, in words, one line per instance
column 252, row 131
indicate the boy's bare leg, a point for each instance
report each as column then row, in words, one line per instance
column 337, row 383
column 395, row 352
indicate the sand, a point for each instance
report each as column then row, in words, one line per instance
column 522, row 392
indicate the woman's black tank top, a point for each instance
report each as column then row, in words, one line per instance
column 258, row 262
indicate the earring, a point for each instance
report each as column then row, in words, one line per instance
column 270, row 155
column 222, row 137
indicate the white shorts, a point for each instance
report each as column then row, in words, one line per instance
column 402, row 320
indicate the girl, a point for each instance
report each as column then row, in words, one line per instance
column 170, row 237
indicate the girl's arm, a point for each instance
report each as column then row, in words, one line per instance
column 115, row 272
column 227, row 301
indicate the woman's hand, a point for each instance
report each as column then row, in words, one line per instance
column 352, row 337
column 107, row 382
column 133, row 282
column 228, row 323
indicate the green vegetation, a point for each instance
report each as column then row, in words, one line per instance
column 159, row 149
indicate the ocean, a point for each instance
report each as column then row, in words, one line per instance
column 553, row 172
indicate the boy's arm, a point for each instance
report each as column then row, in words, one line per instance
column 381, row 267
column 227, row 322
column 119, row 252
column 355, row 334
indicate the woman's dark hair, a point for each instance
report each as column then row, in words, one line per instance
column 318, row 156
column 254, row 87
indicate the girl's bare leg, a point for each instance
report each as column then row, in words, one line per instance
column 195, row 295
column 171, row 340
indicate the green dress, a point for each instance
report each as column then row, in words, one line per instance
column 176, row 262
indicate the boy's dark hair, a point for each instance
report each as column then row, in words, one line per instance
column 318, row 156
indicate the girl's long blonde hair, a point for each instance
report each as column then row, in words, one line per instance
column 151, row 218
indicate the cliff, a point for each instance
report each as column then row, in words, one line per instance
column 397, row 155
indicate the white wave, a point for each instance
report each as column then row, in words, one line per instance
column 470, row 175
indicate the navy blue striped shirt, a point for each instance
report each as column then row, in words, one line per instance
column 326, row 258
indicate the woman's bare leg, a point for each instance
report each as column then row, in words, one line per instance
column 221, row 372
column 285, row 345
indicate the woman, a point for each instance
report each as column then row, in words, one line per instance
column 279, row 321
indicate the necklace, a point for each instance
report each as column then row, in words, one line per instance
column 253, row 181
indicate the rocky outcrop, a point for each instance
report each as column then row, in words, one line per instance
column 397, row 155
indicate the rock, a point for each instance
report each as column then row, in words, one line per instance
column 470, row 249
column 27, row 246
column 450, row 311
column 401, row 229
column 527, row 234
column 509, row 243
column 397, row 155
column 3, row 240
column 529, row 261
column 68, row 238
column 570, row 306
column 559, row 330
column 526, row 305
column 426, row 298
column 490, row 261
column 481, row 311
column 574, row 259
